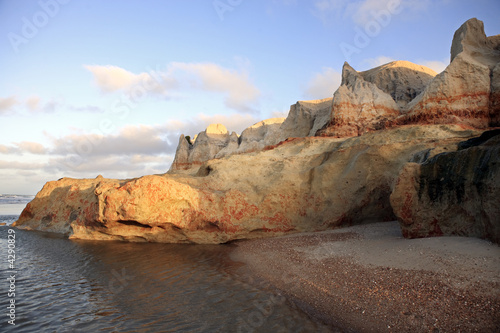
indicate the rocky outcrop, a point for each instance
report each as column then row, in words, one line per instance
column 232, row 146
column 207, row 145
column 71, row 202
column 304, row 184
column 462, row 93
column 402, row 80
column 359, row 106
column 373, row 100
column 305, row 118
column 386, row 145
column 454, row 193
column 260, row 135
column 466, row 92
column 215, row 142
column 495, row 96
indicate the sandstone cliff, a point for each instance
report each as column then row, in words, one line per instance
column 206, row 145
column 386, row 146
column 453, row 193
column 215, row 142
column 359, row 106
column 305, row 184
column 305, row 118
column 466, row 91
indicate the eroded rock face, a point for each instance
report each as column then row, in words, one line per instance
column 495, row 97
column 260, row 135
column 359, row 106
column 471, row 39
column 215, row 142
column 381, row 125
column 462, row 93
column 455, row 98
column 62, row 203
column 467, row 92
column 454, row 193
column 305, row 118
column 181, row 160
column 304, row 184
column 402, row 80
column 206, row 145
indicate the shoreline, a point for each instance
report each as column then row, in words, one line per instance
column 368, row 278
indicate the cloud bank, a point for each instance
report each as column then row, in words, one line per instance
column 178, row 77
column 131, row 151
column 362, row 12
column 324, row 84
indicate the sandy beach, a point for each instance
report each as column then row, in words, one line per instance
column 369, row 278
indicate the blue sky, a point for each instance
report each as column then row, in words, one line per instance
column 106, row 87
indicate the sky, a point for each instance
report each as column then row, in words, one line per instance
column 98, row 87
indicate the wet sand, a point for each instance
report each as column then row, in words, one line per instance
column 370, row 279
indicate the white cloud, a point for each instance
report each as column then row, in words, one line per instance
column 33, row 103
column 6, row 149
column 365, row 11
column 211, row 77
column 379, row 61
column 130, row 140
column 23, row 147
column 89, row 151
column 324, row 84
column 7, row 103
column 18, row 165
column 113, row 78
column 279, row 114
column 328, row 10
column 132, row 151
column 436, row 65
column 115, row 166
column 240, row 93
column 286, row 2
column 86, row 108
column 32, row 147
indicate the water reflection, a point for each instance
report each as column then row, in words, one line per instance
column 140, row 287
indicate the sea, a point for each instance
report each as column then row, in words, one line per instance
column 52, row 284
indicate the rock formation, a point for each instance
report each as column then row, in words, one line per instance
column 394, row 129
column 260, row 135
column 206, row 145
column 453, row 193
column 359, row 106
column 495, row 96
column 305, row 184
column 215, row 142
column 373, row 100
column 464, row 92
column 402, row 80
column 305, row 118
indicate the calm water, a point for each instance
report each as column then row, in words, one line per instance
column 90, row 286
